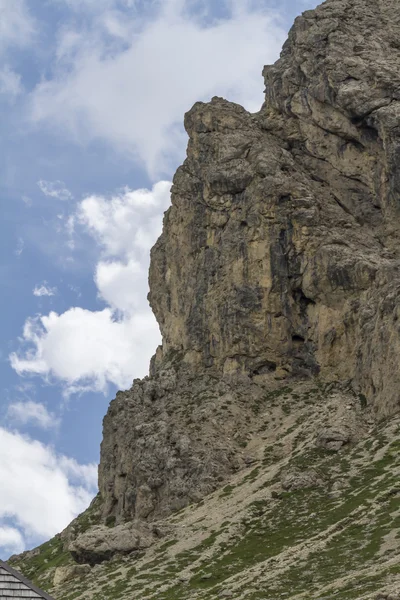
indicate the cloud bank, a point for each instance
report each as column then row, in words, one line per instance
column 125, row 75
column 32, row 413
column 128, row 80
column 41, row 491
column 87, row 350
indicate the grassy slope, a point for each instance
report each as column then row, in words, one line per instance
column 253, row 541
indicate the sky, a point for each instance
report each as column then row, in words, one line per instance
column 92, row 98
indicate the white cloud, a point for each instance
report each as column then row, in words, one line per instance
column 114, row 281
column 16, row 24
column 32, row 413
column 44, row 290
column 96, row 5
column 134, row 96
column 55, row 189
column 11, row 540
column 41, row 492
column 10, row 82
column 89, row 349
column 17, row 28
column 129, row 222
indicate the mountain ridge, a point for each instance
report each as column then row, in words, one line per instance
column 275, row 283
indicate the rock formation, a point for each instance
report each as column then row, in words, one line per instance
column 276, row 286
column 278, row 261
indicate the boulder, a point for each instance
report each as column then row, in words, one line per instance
column 68, row 572
column 101, row 543
column 296, row 479
column 333, row 438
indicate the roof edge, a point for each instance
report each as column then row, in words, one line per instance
column 25, row 581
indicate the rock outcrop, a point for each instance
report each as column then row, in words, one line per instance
column 276, row 287
column 278, row 261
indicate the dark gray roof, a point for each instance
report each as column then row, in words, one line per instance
column 14, row 586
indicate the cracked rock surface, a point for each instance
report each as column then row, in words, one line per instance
column 276, row 285
column 279, row 259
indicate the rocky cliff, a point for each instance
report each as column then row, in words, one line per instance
column 279, row 259
column 277, row 270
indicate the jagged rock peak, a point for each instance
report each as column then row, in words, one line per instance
column 278, row 261
column 276, row 286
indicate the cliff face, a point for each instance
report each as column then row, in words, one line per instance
column 283, row 229
column 278, row 261
column 276, row 286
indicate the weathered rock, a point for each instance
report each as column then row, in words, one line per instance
column 295, row 479
column 339, row 485
column 27, row 555
column 226, row 594
column 68, row 572
column 101, row 543
column 277, row 269
column 279, row 259
column 165, row 448
column 394, row 595
column 333, row 438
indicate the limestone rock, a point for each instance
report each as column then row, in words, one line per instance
column 339, row 485
column 68, row 572
column 166, row 448
column 394, row 595
column 279, row 260
column 333, row 438
column 226, row 594
column 295, row 479
column 278, row 269
column 101, row 543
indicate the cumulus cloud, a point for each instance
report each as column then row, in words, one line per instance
column 114, row 281
column 87, row 349
column 129, row 222
column 11, row 540
column 16, row 24
column 32, row 413
column 41, row 491
column 44, row 290
column 133, row 95
column 55, row 189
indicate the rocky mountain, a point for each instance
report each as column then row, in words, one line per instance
column 260, row 458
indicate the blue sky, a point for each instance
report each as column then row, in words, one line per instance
column 92, row 97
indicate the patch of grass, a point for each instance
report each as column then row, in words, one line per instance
column 110, row 521
column 363, row 401
column 227, row 490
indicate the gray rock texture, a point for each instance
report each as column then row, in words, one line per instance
column 173, row 438
column 333, row 438
column 100, row 542
column 295, row 479
column 278, row 261
column 276, row 286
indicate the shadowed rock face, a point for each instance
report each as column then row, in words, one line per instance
column 279, row 259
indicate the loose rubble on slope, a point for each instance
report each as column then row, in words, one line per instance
column 259, row 459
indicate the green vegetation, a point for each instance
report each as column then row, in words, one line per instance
column 274, row 543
